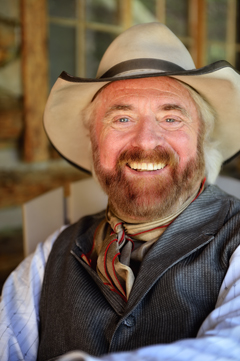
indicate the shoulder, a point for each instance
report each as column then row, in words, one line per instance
column 79, row 232
column 217, row 192
column 19, row 307
column 213, row 194
column 227, row 220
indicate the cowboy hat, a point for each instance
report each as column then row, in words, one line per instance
column 144, row 50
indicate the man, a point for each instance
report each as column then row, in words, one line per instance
column 160, row 267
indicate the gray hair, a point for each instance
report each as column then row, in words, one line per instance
column 212, row 155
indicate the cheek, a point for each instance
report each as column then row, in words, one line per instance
column 107, row 157
column 103, row 145
column 185, row 145
column 108, row 150
column 111, row 144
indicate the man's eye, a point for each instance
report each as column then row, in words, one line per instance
column 171, row 123
column 170, row 120
column 123, row 120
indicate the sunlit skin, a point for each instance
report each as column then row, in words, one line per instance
column 145, row 114
column 146, row 123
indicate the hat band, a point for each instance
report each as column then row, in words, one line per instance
column 141, row 63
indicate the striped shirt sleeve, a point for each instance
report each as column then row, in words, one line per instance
column 19, row 307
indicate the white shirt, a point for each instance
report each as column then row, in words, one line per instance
column 218, row 338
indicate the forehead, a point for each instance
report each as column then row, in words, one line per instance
column 156, row 86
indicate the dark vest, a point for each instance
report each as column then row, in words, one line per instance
column 176, row 287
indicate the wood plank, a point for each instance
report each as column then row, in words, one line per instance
column 11, row 246
column 17, row 187
column 11, row 123
column 201, row 32
column 197, row 30
column 231, row 32
column 80, row 40
column 161, row 11
column 35, row 77
column 126, row 14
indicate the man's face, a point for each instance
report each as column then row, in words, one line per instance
column 147, row 151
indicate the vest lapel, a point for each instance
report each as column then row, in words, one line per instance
column 117, row 303
column 192, row 229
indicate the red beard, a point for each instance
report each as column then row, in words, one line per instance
column 149, row 198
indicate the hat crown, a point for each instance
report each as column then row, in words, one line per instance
column 153, row 41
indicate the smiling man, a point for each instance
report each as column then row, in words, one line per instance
column 160, row 267
column 145, row 138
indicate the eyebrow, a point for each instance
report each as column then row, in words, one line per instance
column 115, row 107
column 167, row 107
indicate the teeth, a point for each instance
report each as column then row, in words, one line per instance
column 146, row 166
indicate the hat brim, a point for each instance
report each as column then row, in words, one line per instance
column 218, row 83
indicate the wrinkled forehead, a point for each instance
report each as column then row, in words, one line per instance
column 157, row 87
column 142, row 85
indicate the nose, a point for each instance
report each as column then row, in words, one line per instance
column 147, row 134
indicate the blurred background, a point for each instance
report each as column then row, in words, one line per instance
column 41, row 38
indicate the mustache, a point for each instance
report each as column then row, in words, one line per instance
column 156, row 155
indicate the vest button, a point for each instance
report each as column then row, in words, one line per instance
column 129, row 321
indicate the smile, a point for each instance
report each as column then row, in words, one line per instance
column 143, row 167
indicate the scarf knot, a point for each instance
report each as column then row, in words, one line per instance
column 118, row 245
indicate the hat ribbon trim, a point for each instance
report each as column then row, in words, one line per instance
column 141, row 63
column 211, row 68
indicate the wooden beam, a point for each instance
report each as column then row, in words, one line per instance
column 11, row 124
column 35, row 77
column 20, row 186
column 126, row 14
column 231, row 32
column 197, row 29
column 161, row 10
column 80, row 39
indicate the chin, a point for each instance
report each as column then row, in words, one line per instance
column 145, row 203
